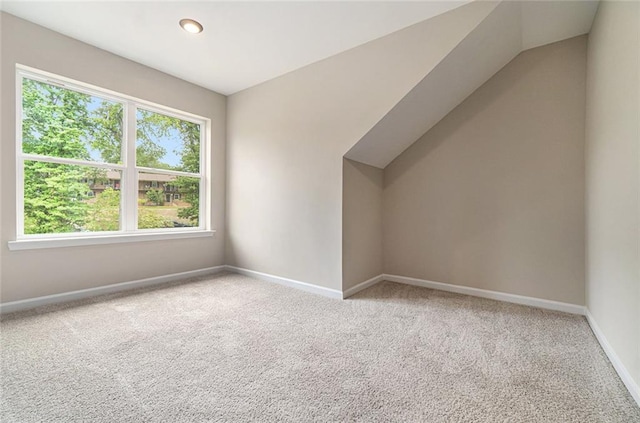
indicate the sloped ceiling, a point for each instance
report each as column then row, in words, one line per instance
column 508, row 30
column 243, row 44
column 544, row 22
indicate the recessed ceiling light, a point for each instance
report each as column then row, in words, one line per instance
column 191, row 26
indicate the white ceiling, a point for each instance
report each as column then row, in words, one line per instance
column 243, row 43
column 246, row 43
column 509, row 29
column 544, row 22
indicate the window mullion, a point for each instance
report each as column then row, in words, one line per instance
column 167, row 172
column 20, row 160
column 205, row 187
column 173, row 128
column 67, row 161
column 130, row 190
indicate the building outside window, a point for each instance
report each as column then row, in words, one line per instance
column 94, row 162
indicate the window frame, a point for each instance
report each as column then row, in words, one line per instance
column 129, row 170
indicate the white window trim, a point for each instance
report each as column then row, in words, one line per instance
column 129, row 173
column 99, row 239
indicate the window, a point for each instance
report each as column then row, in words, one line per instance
column 92, row 162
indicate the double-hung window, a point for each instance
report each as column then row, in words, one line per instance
column 92, row 163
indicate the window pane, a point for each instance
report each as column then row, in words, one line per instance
column 166, row 201
column 64, row 198
column 60, row 122
column 165, row 142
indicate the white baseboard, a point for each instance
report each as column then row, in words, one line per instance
column 622, row 371
column 494, row 295
column 327, row 292
column 362, row 285
column 314, row 289
column 29, row 303
column 106, row 289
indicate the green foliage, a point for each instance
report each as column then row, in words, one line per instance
column 155, row 197
column 190, row 162
column 148, row 130
column 62, row 123
column 104, row 213
column 190, row 190
column 53, row 198
column 106, row 131
column 149, row 219
column 190, row 135
column 152, row 126
column 55, row 121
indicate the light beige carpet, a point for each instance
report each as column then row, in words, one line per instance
column 230, row 348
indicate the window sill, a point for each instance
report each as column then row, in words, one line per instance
column 39, row 243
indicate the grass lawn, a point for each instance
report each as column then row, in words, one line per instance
column 170, row 212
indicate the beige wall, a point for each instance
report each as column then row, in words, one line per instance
column 2, row 236
column 493, row 196
column 33, row 273
column 361, row 223
column 287, row 137
column 613, row 178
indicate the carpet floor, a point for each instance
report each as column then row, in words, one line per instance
column 230, row 348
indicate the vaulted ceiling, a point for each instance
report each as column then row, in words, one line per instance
column 243, row 43
column 498, row 36
column 246, row 43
